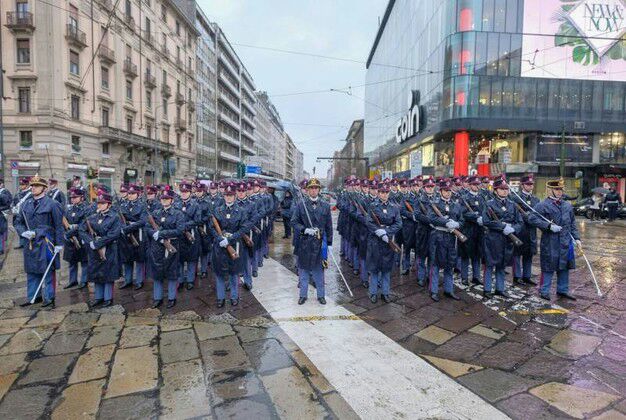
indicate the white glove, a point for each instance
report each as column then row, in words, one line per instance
column 122, row 231
column 310, row 231
column 451, row 224
column 28, row 234
column 92, row 245
column 72, row 227
column 58, row 249
column 224, row 243
column 479, row 220
column 380, row 232
column 385, row 239
column 155, row 235
column 508, row 229
column 578, row 243
column 555, row 228
column 329, row 248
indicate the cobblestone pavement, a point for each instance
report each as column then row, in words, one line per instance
column 527, row 359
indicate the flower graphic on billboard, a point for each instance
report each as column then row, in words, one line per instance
column 594, row 28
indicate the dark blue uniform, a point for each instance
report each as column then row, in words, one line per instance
column 523, row 255
column 75, row 215
column 380, row 257
column 285, row 210
column 5, row 204
column 247, row 208
column 422, row 234
column 470, row 251
column 408, row 229
column 205, row 234
column 359, row 233
column 57, row 195
column 133, row 257
column 190, row 244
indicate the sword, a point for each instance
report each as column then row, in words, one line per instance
column 341, row 273
column 43, row 278
column 580, row 248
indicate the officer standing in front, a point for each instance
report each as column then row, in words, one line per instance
column 422, row 229
column 75, row 251
column 523, row 255
column 312, row 219
column 470, row 251
column 133, row 243
column 189, row 242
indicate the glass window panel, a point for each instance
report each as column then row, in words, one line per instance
column 507, row 97
column 505, row 50
column 553, row 98
column 492, row 54
column 520, row 16
column 488, row 6
column 480, row 59
column 499, row 18
column 485, row 96
column 496, row 97
column 473, row 97
column 461, row 87
column 511, row 16
column 597, row 100
column 542, row 98
column 516, row 55
column 467, row 53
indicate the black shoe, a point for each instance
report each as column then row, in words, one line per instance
column 107, row 303
column 385, row 298
column 234, row 302
column 266, row 257
column 322, row 300
column 125, row 286
column 255, row 274
column 503, row 293
column 373, row 298
column 260, row 264
column 25, row 304
column 69, row 286
column 518, row 281
column 435, row 297
column 487, row 295
column 366, row 284
column 221, row 303
column 189, row 286
column 566, row 296
column 18, row 247
column 527, row 280
column 301, row 301
column 285, row 237
column 49, row 303
column 138, row 286
column 204, row 275
column 451, row 295
column 355, row 272
column 421, row 283
column 247, row 286
column 82, row 286
column 95, row 303
column 171, row 303
column 544, row 297
column 456, row 271
column 157, row 303
column 465, row 282
column 475, row 280
column 405, row 272
column 180, row 287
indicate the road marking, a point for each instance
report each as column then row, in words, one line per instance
column 373, row 373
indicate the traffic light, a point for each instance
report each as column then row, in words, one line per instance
column 241, row 170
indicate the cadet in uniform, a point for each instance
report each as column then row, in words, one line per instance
column 313, row 221
column 523, row 255
column 285, row 212
column 189, row 243
column 422, row 231
column 247, row 209
column 473, row 204
column 205, row 237
column 557, row 240
column 408, row 224
column 501, row 218
column 75, row 250
column 103, row 272
column 5, row 204
column 40, row 223
column 55, row 193
column 22, row 195
column 133, row 256
column 442, row 242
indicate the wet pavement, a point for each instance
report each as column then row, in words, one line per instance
column 520, row 356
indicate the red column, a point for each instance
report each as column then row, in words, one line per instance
column 461, row 153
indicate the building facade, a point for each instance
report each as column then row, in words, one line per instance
column 271, row 141
column 349, row 161
column 98, row 91
column 499, row 86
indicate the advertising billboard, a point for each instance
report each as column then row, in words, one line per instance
column 575, row 39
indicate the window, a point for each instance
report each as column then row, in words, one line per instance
column 499, row 19
column 75, row 107
column 148, row 27
column 26, row 140
column 129, row 53
column 178, row 140
column 105, row 116
column 105, row 77
column 178, row 28
column 73, row 16
column 178, row 53
column 129, row 154
column 189, row 146
column 75, row 144
column 24, row 100
column 149, row 130
column 164, row 105
column 164, row 77
column 129, row 90
column 164, row 13
column 23, row 51
column 105, row 149
column 21, row 8
column 129, row 124
column 74, row 63
column 166, row 135
column 148, row 99
column 128, row 9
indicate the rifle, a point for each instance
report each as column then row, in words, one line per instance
column 456, row 232
column 101, row 251
column 131, row 236
column 189, row 236
column 74, row 239
column 166, row 242
column 394, row 246
column 516, row 241
column 231, row 251
column 247, row 240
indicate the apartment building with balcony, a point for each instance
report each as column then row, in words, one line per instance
column 91, row 86
column 271, row 143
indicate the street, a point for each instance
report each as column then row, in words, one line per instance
column 271, row 358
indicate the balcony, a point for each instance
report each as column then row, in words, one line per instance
column 149, row 80
column 130, row 21
column 224, row 117
column 20, row 21
column 124, row 137
column 191, row 105
column 248, row 119
column 164, row 50
column 181, row 124
column 248, row 106
column 248, row 149
column 106, row 54
column 180, row 64
column 166, row 91
column 229, row 157
column 75, row 36
column 228, row 138
column 130, row 68
column 247, row 134
column 226, row 63
column 230, row 85
column 228, row 101
column 148, row 37
column 190, row 68
column 107, row 4
column 180, row 98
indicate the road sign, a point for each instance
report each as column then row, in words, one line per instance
column 14, row 164
column 253, row 170
column 15, row 172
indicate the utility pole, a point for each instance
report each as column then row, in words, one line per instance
column 1, row 104
column 562, row 162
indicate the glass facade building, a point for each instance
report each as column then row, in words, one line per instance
column 479, row 97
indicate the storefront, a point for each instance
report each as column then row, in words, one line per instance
column 20, row 169
column 75, row 170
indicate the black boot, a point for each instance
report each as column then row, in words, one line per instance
column 435, row 297
column 405, row 272
column 421, row 283
column 234, row 302
column 465, row 282
column 451, row 295
column 138, row 286
column 566, row 295
column 487, row 295
column 503, row 293
column 518, row 281
column 301, row 301
column 528, row 280
column 221, row 303
column 82, row 286
column 49, row 303
column 385, row 298
column 189, row 286
column 544, row 297
column 95, row 303
column 157, row 303
column 180, row 287
column 476, row 281
column 125, row 286
column 171, row 303
column 69, row 286
column 373, row 298
column 247, row 286
column 255, row 274
column 322, row 300
column 107, row 303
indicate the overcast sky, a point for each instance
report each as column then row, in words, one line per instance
column 337, row 28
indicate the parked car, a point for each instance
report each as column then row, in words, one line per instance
column 583, row 208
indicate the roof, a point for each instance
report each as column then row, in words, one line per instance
column 381, row 29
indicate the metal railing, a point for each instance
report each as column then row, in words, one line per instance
column 75, row 35
column 132, row 139
column 130, row 68
column 166, row 90
column 20, row 20
column 150, row 80
column 107, row 54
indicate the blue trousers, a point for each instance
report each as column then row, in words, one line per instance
column 158, row 289
column 103, row 291
column 3, row 241
column 406, row 259
column 562, row 282
column 448, row 280
column 47, row 289
column 246, row 267
column 187, row 272
column 318, row 277
column 522, row 266
column 489, row 278
column 465, row 262
column 139, row 273
column 422, row 268
column 355, row 258
column 204, row 262
column 220, row 286
column 363, row 274
column 382, row 280
column 74, row 273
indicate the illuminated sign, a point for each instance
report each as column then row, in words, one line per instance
column 409, row 125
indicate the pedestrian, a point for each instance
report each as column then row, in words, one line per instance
column 611, row 202
column 55, row 193
column 5, row 204
column 445, row 216
column 555, row 217
column 523, row 255
column 285, row 211
column 132, row 247
column 75, row 250
column 383, row 222
column 314, row 222
column 165, row 228
column 189, row 242
column 473, row 204
column 225, row 260
column 40, row 223
column 501, row 218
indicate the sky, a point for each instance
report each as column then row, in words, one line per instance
column 318, row 123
